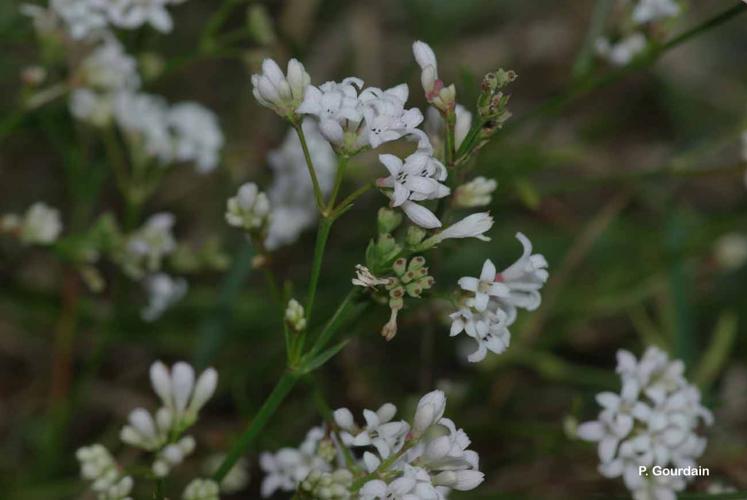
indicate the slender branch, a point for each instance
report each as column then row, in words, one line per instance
column 345, row 204
column 449, row 143
column 278, row 394
column 310, row 166
column 316, row 266
column 339, row 175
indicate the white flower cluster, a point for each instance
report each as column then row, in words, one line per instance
column 641, row 14
column 653, row 421
column 92, row 19
column 249, row 209
column 492, row 299
column 391, row 459
column 201, row 489
column 40, row 225
column 106, row 83
column 107, row 479
column 146, row 248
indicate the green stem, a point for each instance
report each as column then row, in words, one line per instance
column 345, row 204
column 316, row 266
column 332, row 325
column 340, row 174
column 310, row 166
column 358, row 484
column 449, row 144
column 268, row 409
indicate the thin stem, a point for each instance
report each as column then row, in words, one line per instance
column 340, row 174
column 332, row 325
column 449, row 148
column 310, row 166
column 358, row 484
column 316, row 266
column 271, row 404
column 345, row 204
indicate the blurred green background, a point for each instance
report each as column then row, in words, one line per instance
column 625, row 188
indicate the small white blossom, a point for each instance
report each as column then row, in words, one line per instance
column 484, row 287
column 295, row 316
column 91, row 107
column 476, row 193
column 385, row 436
column 201, row 489
column 418, row 178
column 197, row 135
column 430, row 409
column 415, row 483
column 146, row 247
column 489, row 328
column 280, row 92
column 163, row 292
column 524, row 278
column 436, row 93
column 336, row 106
column 144, row 120
column 472, row 226
column 249, row 209
column 623, row 51
column 652, row 422
column 107, row 479
column 83, row 18
column 647, row 11
column 285, row 469
column 108, row 68
column 132, row 14
column 385, row 116
column 40, row 225
column 172, row 455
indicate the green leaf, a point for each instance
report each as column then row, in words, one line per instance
column 712, row 362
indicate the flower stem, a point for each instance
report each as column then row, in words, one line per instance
column 310, row 166
column 278, row 394
column 449, row 145
column 342, row 163
column 316, row 266
column 345, row 204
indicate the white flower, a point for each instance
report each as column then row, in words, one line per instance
column 163, row 292
column 131, row 14
column 653, row 421
column 249, row 209
column 172, row 455
column 623, row 51
column 430, row 409
column 476, row 193
column 524, row 278
column 40, row 225
column 144, row 120
column 291, row 193
column 91, row 107
column 414, row 484
column 336, row 106
column 282, row 93
column 201, row 489
column 385, row 116
column 418, row 178
column 295, row 316
column 237, row 477
column 484, row 287
column 436, row 93
column 83, row 18
column 197, row 135
column 647, row 11
column 380, row 432
column 146, row 247
column 107, row 480
column 489, row 328
column 472, row 226
column 286, row 468
column 109, row 68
